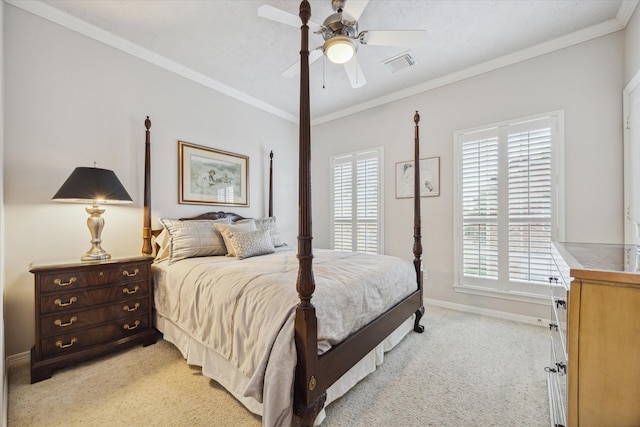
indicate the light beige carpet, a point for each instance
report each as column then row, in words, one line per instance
column 466, row 370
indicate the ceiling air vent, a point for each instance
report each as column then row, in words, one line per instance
column 399, row 62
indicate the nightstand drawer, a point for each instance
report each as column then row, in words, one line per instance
column 76, row 278
column 79, row 340
column 62, row 323
column 78, row 299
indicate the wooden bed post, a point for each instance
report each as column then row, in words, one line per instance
column 417, row 232
column 146, row 226
column 307, row 402
column 271, row 184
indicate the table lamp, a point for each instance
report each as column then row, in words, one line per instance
column 93, row 186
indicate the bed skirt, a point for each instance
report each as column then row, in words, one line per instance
column 216, row 367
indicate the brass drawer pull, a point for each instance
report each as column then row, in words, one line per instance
column 73, row 341
column 58, row 322
column 59, row 282
column 64, row 304
column 135, row 273
column 127, row 291
column 131, row 328
column 135, row 307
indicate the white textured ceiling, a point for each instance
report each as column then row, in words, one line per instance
column 228, row 43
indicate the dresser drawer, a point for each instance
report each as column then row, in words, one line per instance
column 74, row 341
column 78, row 299
column 77, row 278
column 62, row 323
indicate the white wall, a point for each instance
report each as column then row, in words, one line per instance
column 5, row 381
column 632, row 46
column 585, row 80
column 71, row 101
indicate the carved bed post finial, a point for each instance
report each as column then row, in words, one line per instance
column 305, row 12
column 417, row 232
column 146, row 226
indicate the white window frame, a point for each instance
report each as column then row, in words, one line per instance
column 378, row 153
column 505, row 288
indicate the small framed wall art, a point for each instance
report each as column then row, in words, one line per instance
column 212, row 177
column 429, row 178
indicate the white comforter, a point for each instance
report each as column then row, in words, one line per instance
column 244, row 311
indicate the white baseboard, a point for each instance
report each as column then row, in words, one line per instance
column 5, row 397
column 18, row 358
column 486, row 312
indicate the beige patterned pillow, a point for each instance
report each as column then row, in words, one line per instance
column 248, row 225
column 249, row 243
column 269, row 224
column 194, row 238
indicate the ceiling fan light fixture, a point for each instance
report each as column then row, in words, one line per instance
column 340, row 49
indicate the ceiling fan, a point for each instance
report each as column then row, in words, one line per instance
column 341, row 36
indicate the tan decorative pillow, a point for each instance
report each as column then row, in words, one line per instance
column 194, row 238
column 249, row 243
column 248, row 225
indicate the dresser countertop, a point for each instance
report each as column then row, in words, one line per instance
column 595, row 260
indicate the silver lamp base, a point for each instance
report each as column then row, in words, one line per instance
column 95, row 223
column 95, row 254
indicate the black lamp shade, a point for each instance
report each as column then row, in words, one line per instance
column 86, row 185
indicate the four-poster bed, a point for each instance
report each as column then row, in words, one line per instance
column 325, row 356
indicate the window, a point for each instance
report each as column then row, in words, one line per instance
column 356, row 201
column 508, row 206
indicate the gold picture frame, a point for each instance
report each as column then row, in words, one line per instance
column 212, row 177
column 429, row 177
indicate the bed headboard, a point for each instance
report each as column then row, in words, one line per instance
column 215, row 215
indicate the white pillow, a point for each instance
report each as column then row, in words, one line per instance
column 249, row 243
column 194, row 238
column 268, row 224
column 163, row 240
column 248, row 225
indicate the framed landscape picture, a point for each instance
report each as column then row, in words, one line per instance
column 212, row 177
column 429, row 178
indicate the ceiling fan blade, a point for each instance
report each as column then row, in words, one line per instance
column 294, row 70
column 394, row 37
column 278, row 15
column 354, row 72
column 353, row 9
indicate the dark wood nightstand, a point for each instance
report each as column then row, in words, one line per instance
column 88, row 309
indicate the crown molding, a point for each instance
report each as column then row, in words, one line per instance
column 599, row 30
column 59, row 17
column 626, row 11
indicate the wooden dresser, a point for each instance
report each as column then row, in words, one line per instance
column 88, row 309
column 602, row 334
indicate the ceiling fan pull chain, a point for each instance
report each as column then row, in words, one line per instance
column 323, row 75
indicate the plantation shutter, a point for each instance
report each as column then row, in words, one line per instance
column 342, row 206
column 529, row 175
column 357, row 202
column 480, row 206
column 505, row 206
